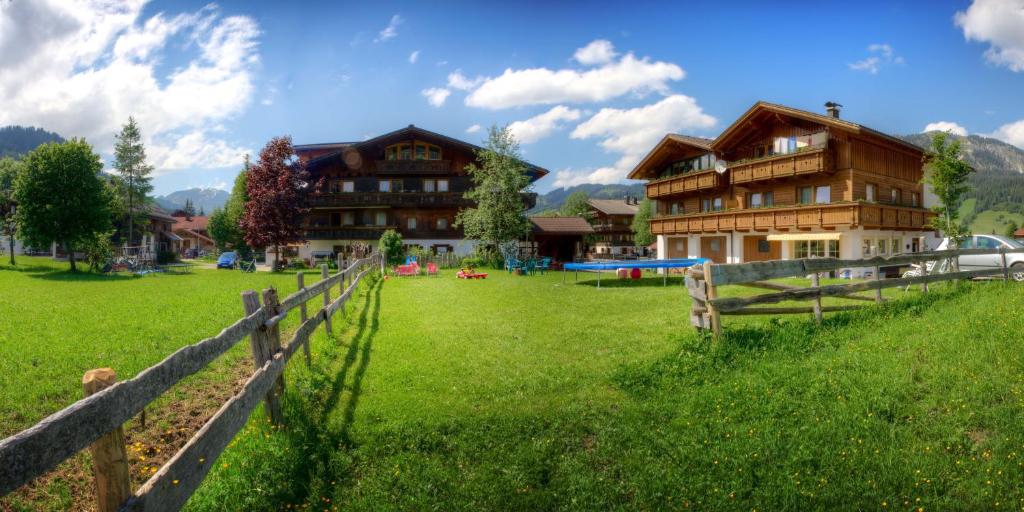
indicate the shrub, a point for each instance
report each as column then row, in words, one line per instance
column 164, row 257
column 98, row 251
column 472, row 261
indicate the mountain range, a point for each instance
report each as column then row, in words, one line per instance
column 203, row 199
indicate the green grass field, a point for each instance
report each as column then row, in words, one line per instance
column 520, row 393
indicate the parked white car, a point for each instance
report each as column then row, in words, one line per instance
column 980, row 261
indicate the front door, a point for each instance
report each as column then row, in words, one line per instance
column 713, row 248
column 676, row 248
column 758, row 248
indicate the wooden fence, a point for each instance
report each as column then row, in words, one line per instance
column 96, row 420
column 707, row 307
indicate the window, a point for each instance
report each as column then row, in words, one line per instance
column 404, row 152
column 806, row 195
column 883, row 247
column 755, row 200
column 968, row 243
column 442, row 224
column 348, row 219
column 705, row 205
column 868, row 247
column 334, row 186
column 382, row 219
column 348, row 186
column 985, row 242
column 674, row 209
column 435, row 153
column 716, row 204
column 411, row 223
column 823, row 194
column 421, row 152
column 833, row 248
column 915, row 199
column 335, row 219
column 428, row 185
column 897, row 246
column 769, row 198
column 384, row 185
column 895, row 196
column 764, row 246
column 442, row 185
column 871, row 192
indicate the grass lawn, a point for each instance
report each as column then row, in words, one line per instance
column 55, row 325
column 522, row 393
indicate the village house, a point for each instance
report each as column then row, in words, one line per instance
column 782, row 183
column 612, row 220
column 410, row 180
column 193, row 233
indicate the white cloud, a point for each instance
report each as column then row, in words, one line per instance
column 414, row 56
column 390, row 31
column 436, row 95
column 81, row 69
column 999, row 23
column 882, row 54
column 474, row 129
column 945, row 126
column 540, row 126
column 193, row 149
column 456, row 80
column 540, row 86
column 1011, row 133
column 632, row 133
column 599, row 51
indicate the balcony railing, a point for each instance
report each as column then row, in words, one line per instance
column 374, row 232
column 700, row 180
column 874, row 216
column 782, row 166
column 413, row 166
column 414, row 199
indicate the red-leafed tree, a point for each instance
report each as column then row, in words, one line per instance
column 279, row 192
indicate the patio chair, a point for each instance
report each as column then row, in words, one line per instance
column 511, row 264
column 431, row 269
column 544, row 265
column 248, row 266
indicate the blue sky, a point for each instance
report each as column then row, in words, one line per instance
column 589, row 87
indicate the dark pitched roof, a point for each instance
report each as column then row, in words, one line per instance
column 339, row 148
column 686, row 140
column 155, row 212
column 614, row 206
column 561, row 225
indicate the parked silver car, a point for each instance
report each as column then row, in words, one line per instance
column 980, row 261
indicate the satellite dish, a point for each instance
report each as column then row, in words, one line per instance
column 721, row 167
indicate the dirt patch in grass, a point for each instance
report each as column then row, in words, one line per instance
column 168, row 426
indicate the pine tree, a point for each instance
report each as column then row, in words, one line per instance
column 130, row 162
column 190, row 209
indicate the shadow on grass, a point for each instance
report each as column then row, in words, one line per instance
column 313, row 399
column 610, row 281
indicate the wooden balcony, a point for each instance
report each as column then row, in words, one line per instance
column 783, row 166
column 413, row 166
column 700, row 180
column 805, row 217
column 393, row 199
column 374, row 233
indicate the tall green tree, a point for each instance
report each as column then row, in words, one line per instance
column 642, row 236
column 61, row 196
column 947, row 173
column 190, row 209
column 576, row 205
column 225, row 223
column 499, row 218
column 133, row 172
column 9, row 169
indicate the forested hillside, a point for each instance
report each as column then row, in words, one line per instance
column 18, row 140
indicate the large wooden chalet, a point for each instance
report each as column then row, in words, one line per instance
column 411, row 180
column 784, row 183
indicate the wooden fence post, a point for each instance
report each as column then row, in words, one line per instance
column 109, row 456
column 261, row 353
column 815, row 283
column 324, row 274
column 712, row 292
column 924, row 273
column 274, row 344
column 1002, row 256
column 304, row 315
column 878, row 291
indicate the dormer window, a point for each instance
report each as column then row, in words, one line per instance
column 416, row 150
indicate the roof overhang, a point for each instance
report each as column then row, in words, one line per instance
column 667, row 141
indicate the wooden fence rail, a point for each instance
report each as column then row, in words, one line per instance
column 38, row 449
column 702, row 283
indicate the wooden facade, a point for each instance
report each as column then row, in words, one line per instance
column 410, row 180
column 612, row 220
column 779, row 169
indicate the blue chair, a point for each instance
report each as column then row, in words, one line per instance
column 544, row 265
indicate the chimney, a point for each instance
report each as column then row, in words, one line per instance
column 832, row 108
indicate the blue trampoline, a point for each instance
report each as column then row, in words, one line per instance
column 598, row 266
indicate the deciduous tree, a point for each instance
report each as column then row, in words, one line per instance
column 642, row 236
column 133, row 174
column 576, row 205
column 226, row 223
column 61, row 196
column 947, row 173
column 279, row 190
column 9, row 169
column 499, row 217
